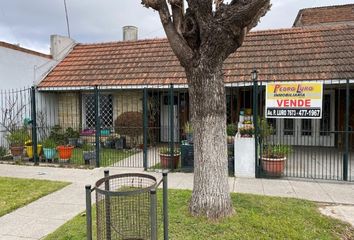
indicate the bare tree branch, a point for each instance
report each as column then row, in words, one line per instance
column 178, row 44
column 177, row 7
column 243, row 13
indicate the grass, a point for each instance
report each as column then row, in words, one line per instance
column 257, row 217
column 107, row 156
column 15, row 192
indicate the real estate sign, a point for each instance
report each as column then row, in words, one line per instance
column 294, row 100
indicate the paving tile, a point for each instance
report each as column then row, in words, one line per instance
column 278, row 188
column 310, row 191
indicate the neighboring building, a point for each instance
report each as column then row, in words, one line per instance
column 21, row 67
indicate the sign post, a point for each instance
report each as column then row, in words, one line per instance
column 294, row 100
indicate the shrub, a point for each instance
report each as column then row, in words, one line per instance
column 71, row 133
column 3, row 151
column 276, row 151
column 129, row 124
column 231, row 129
column 49, row 143
column 18, row 137
column 57, row 135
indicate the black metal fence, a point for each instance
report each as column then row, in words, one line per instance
column 149, row 128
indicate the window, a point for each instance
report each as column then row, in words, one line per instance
column 273, row 123
column 106, row 111
column 306, row 127
column 289, row 127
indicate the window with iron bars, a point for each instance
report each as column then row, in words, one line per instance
column 106, row 111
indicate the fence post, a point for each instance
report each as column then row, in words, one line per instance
column 34, row 125
column 88, row 213
column 145, row 128
column 346, row 140
column 97, row 126
column 165, row 204
column 153, row 215
column 171, row 116
column 108, row 206
column 255, row 120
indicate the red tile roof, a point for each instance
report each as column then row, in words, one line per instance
column 325, row 15
column 25, row 50
column 325, row 53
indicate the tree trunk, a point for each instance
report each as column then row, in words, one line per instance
column 211, row 193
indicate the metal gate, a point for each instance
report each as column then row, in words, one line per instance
column 316, row 149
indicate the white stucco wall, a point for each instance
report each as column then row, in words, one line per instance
column 19, row 69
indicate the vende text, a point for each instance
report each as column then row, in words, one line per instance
column 294, row 103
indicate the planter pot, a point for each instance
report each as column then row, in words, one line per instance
column 73, row 142
column 89, row 156
column 65, row 152
column 169, row 162
column 16, row 151
column 273, row 166
column 49, row 153
column 29, row 150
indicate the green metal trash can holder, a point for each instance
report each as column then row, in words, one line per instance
column 126, row 206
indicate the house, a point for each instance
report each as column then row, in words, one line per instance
column 319, row 47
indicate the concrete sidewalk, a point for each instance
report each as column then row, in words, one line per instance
column 43, row 216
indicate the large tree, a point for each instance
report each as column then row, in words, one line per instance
column 202, row 37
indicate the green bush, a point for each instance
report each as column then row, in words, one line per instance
column 231, row 129
column 18, row 137
column 71, row 133
column 49, row 143
column 3, row 151
column 57, row 135
column 276, row 150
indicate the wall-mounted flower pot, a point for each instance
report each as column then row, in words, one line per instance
column 29, row 150
column 169, row 162
column 49, row 153
column 65, row 152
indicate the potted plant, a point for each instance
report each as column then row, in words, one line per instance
column 246, row 131
column 88, row 153
column 29, row 148
column 167, row 160
column 49, row 148
column 72, row 136
column 273, row 159
column 16, row 140
column 188, row 130
column 231, row 130
column 60, row 138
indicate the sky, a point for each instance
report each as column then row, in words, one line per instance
column 31, row 22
